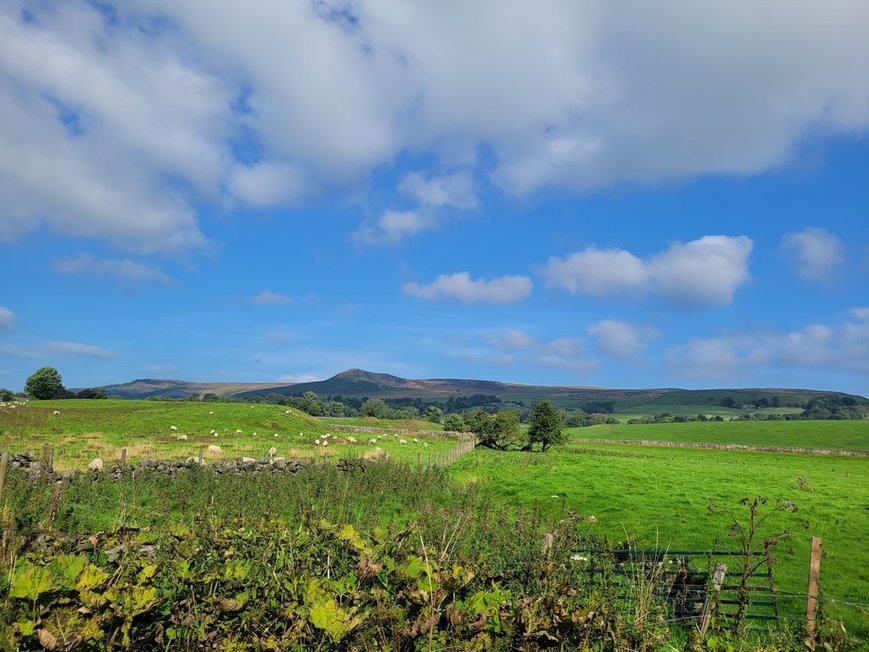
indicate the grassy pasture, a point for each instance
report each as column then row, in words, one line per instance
column 371, row 422
column 87, row 429
column 660, row 498
column 852, row 435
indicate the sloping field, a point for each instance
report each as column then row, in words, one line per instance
column 85, row 429
column 852, row 435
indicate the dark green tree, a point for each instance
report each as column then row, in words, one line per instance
column 6, row 395
column 45, row 383
column 375, row 407
column 454, row 423
column 545, row 426
column 433, row 413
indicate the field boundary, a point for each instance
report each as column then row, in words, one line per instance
column 844, row 452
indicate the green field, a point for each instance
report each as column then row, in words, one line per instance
column 415, row 425
column 654, row 496
column 853, row 435
column 86, row 429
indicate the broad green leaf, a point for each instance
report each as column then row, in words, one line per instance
column 32, row 582
column 91, row 577
column 26, row 626
column 66, row 569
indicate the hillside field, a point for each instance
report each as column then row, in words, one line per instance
column 86, row 429
column 852, row 435
column 656, row 497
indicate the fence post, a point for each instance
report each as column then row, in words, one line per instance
column 4, row 462
column 717, row 581
column 123, row 458
column 419, row 459
column 812, row 601
column 201, row 452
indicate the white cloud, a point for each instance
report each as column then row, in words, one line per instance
column 460, row 286
column 703, row 272
column 454, row 191
column 7, row 320
column 266, row 184
column 122, row 131
column 58, row 349
column 126, row 270
column 393, row 227
column 735, row 354
column 816, row 252
column 512, row 339
column 619, row 339
column 267, row 297
column 860, row 313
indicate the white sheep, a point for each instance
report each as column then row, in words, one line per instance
column 254, row 434
column 352, row 440
column 210, row 413
column 276, row 435
column 173, row 428
column 248, row 459
column 316, row 442
column 95, row 465
column 214, row 450
column 425, row 444
column 213, row 432
column 402, row 441
column 373, row 442
column 415, row 440
column 273, row 451
column 238, row 432
column 325, row 442
column 56, row 412
column 181, row 437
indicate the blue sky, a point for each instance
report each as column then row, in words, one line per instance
column 560, row 193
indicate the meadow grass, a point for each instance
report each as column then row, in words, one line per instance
column 660, row 498
column 415, row 425
column 853, row 435
column 86, row 429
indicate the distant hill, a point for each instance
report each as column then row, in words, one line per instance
column 151, row 387
column 359, row 383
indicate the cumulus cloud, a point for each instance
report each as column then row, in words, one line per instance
column 268, row 298
column 266, row 184
column 294, row 379
column 7, row 320
column 701, row 273
column 735, row 354
column 393, row 227
column 54, row 349
column 815, row 252
column 619, row 339
column 454, row 191
column 119, row 121
column 125, row 270
column 460, row 286
column 512, row 339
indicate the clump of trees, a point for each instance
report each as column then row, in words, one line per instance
column 501, row 431
column 46, row 383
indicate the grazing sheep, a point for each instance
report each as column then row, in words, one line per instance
column 425, row 444
column 273, row 451
column 181, row 437
column 352, row 440
column 210, row 413
column 276, row 435
column 316, row 442
column 287, row 412
column 415, row 440
column 402, row 441
column 592, row 520
column 56, row 412
column 95, row 465
column 325, row 442
column 238, row 432
column 213, row 432
column 173, row 428
column 214, row 450
column 248, row 459
column 254, row 434
column 373, row 442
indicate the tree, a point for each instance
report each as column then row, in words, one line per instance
column 375, row 407
column 545, row 425
column 44, row 384
column 433, row 413
column 454, row 423
column 499, row 431
column 6, row 395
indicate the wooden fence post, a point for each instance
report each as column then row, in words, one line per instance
column 123, row 458
column 814, row 582
column 201, row 452
column 717, row 581
column 4, row 462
